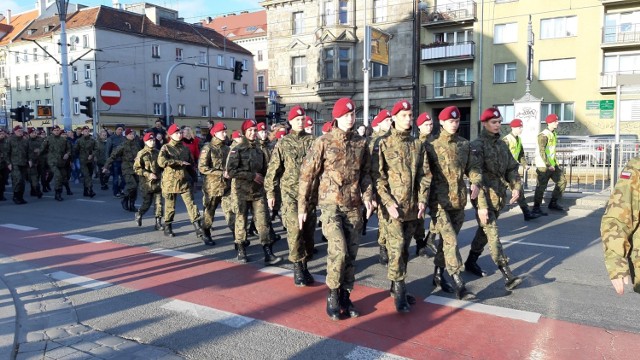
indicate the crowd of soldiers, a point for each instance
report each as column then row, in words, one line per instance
column 342, row 174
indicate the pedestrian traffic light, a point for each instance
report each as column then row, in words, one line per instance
column 27, row 113
column 16, row 113
column 237, row 70
column 86, row 107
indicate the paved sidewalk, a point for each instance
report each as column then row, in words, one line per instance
column 47, row 324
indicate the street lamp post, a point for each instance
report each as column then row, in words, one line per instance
column 66, row 109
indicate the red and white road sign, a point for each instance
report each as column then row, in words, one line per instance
column 110, row 93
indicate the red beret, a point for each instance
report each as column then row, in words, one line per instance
column 308, row 121
column 281, row 133
column 128, row 131
column 327, row 127
column 173, row 129
column 516, row 123
column 295, row 112
column 399, row 106
column 148, row 136
column 262, row 126
column 382, row 115
column 490, row 113
column 343, row 106
column 422, row 118
column 247, row 124
column 450, row 112
column 16, row 128
column 30, row 129
column 235, row 134
column 219, row 126
column 551, row 118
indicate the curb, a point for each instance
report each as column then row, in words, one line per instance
column 8, row 324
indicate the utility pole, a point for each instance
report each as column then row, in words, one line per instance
column 365, row 68
column 66, row 109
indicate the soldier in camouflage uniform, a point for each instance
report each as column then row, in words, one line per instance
column 35, row 142
column 216, row 185
column 381, row 125
column 497, row 168
column 267, row 145
column 45, row 173
column 426, row 245
column 402, row 182
column 517, row 151
column 449, row 161
column 86, row 147
column 4, row 171
column 58, row 152
column 283, row 176
column 247, row 166
column 101, row 158
column 127, row 152
column 18, row 155
column 547, row 168
column 175, row 159
column 619, row 229
column 149, row 173
column 341, row 164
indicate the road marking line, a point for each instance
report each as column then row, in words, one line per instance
column 78, row 280
column 286, row 272
column 19, row 227
column 208, row 313
column 174, row 253
column 86, row 238
column 485, row 309
column 534, row 244
column 91, row 201
column 361, row 352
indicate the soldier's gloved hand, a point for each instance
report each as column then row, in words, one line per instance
column 515, row 194
column 374, row 204
column 271, row 203
column 619, row 283
column 152, row 176
column 483, row 215
column 105, row 170
column 301, row 219
column 9, row 167
column 259, row 179
column 421, row 210
column 30, row 163
column 369, row 206
column 65, row 156
column 393, row 210
column 475, row 190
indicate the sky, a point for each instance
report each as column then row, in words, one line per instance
column 190, row 10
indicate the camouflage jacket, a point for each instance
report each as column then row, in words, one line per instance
column 497, row 169
column 449, row 161
column 373, row 145
column 145, row 164
column 3, row 153
column 101, row 152
column 211, row 164
column 127, row 152
column 175, row 178
column 285, row 165
column 244, row 162
column 56, row 147
column 404, row 176
column 84, row 147
column 619, row 227
column 267, row 147
column 34, row 149
column 342, row 164
column 427, row 138
column 18, row 151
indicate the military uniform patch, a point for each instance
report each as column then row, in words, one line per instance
column 625, row 175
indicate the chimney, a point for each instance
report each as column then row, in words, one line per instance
column 42, row 7
column 9, row 17
column 116, row 5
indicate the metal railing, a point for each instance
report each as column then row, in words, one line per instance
column 447, row 91
column 464, row 50
column 621, row 34
column 458, row 11
column 610, row 80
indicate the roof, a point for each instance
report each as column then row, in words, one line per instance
column 240, row 26
column 18, row 23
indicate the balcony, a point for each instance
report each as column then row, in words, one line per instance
column 444, row 52
column 458, row 91
column 342, row 86
column 609, row 81
column 449, row 14
column 621, row 36
column 618, row 2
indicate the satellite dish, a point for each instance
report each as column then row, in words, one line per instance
column 219, row 113
column 74, row 39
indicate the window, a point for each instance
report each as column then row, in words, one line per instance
column 178, row 54
column 203, row 57
column 621, row 27
column 182, row 110
column 245, row 89
column 180, row 82
column 379, row 11
column 85, row 41
column 629, row 110
column 2, row 72
column 345, row 60
column 221, row 111
column 45, row 55
column 259, row 55
column 557, row 69
column 246, row 113
column 18, row 86
column 628, row 64
column 507, row 111
column 156, row 80
column 232, row 62
column 35, row 54
column 299, row 70
column 36, row 81
column 505, row 33
column 220, row 60
column 204, row 111
column 343, row 12
column 558, row 27
column 233, row 88
column 329, row 55
column 27, row 83
column 245, row 64
column 454, row 37
column 296, row 25
column 17, row 60
column 234, row 112
column 155, row 51
column 329, row 13
column 459, row 79
column 25, row 56
column 46, row 80
column 260, row 83
column 47, row 101
column 72, row 44
column 157, row 109
column 204, row 84
column 76, row 106
column 379, row 70
column 220, row 86
column 565, row 111
column 504, row 73
column 74, row 74
column 87, row 71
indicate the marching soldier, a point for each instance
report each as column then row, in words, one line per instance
column 515, row 147
column 86, row 148
column 428, row 242
column 45, row 173
column 4, row 170
column 35, row 143
column 381, row 125
column 308, row 125
column 149, row 172
column 127, row 152
column 326, row 128
column 58, row 151
column 101, row 158
column 548, row 168
column 18, row 155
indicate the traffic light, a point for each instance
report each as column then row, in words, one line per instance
column 27, row 113
column 280, row 112
column 237, row 71
column 16, row 113
column 86, row 107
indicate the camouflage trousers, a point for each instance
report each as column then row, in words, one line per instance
column 260, row 217
column 210, row 204
column 147, row 199
column 4, row 175
column 34, row 176
column 229, row 207
column 300, row 241
column 343, row 228
column 543, row 179
column 131, row 185
column 488, row 233
column 522, row 202
column 383, row 222
column 59, row 176
column 18, row 177
column 419, row 233
column 86, row 167
column 170, row 207
column 399, row 238
column 448, row 224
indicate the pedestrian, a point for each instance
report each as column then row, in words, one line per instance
column 18, row 155
column 127, row 152
column 381, row 124
column 86, row 148
column 4, row 163
column 498, row 169
column 35, row 143
column 340, row 163
column 426, row 244
column 282, row 177
column 402, row 182
column 117, row 182
column 58, row 153
column 149, row 174
column 159, row 133
column 175, row 159
column 101, row 159
column 547, row 167
column 193, row 144
column 619, row 229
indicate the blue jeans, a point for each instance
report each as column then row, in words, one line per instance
column 118, row 180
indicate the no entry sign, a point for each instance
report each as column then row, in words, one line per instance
column 110, row 93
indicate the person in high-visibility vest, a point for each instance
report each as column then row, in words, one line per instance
column 548, row 168
column 515, row 147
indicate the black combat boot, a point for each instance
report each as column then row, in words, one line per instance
column 333, row 306
column 242, row 253
column 38, row 192
column 33, row 191
column 125, row 203
column 536, row 210
column 206, row 237
column 364, row 223
column 66, row 185
column 298, row 276
column 138, row 218
column 269, row 257
column 471, row 264
column 85, row 192
column 158, row 225
column 420, row 245
column 272, row 234
column 410, row 298
column 439, row 280
column 91, row 192
column 199, row 232
column 58, row 195
column 168, row 230
column 18, row 198
column 400, row 296
column 528, row 215
column 132, row 203
column 43, row 183
column 431, row 248
column 461, row 291
column 308, row 278
column 346, row 306
column 384, row 255
column 252, row 231
column 553, row 205
column 511, row 281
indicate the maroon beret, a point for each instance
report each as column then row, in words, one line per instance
column 400, row 106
